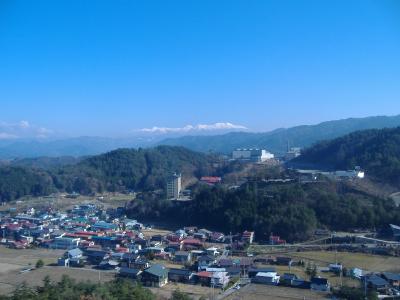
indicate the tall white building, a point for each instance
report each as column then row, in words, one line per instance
column 257, row 155
column 174, row 186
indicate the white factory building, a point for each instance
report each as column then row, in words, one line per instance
column 256, row 155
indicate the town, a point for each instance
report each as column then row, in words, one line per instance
column 104, row 243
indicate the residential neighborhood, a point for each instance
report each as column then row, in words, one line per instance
column 105, row 240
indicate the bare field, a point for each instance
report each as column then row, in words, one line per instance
column 267, row 292
column 63, row 203
column 9, row 281
column 368, row 262
column 194, row 291
column 148, row 233
column 28, row 257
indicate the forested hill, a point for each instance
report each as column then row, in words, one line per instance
column 118, row 170
column 276, row 141
column 376, row 151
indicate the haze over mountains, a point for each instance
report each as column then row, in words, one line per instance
column 222, row 139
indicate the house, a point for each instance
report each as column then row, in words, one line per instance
column 220, row 279
column 320, row 284
column 376, row 283
column 181, row 233
column 141, row 263
column 64, row 243
column 155, row 276
column 130, row 273
column 180, row 275
column 96, row 256
column 276, row 240
column 211, row 180
column 392, row 278
column 192, row 243
column 252, row 272
column 234, row 271
column 204, row 278
column 355, row 273
column 200, row 236
column 225, row 262
column 287, row 279
column 190, row 229
column 217, row 237
column 74, row 253
column 212, row 251
column 283, row 261
column 104, row 226
column 271, row 278
column 335, row 268
column 206, row 233
column 153, row 250
column 162, row 256
column 108, row 265
column 182, row 257
column 205, row 261
column 301, row 284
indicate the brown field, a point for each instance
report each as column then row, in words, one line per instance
column 375, row 263
column 267, row 292
column 62, row 203
column 194, row 291
column 13, row 261
column 35, row 277
column 148, row 233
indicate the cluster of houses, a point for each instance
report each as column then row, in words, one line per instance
column 107, row 240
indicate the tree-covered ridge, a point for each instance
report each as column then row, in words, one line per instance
column 16, row 182
column 292, row 211
column 118, row 170
column 376, row 151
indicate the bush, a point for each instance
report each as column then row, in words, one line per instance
column 39, row 264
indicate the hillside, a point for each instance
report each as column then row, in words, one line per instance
column 119, row 170
column 276, row 141
column 291, row 210
column 376, row 151
column 43, row 162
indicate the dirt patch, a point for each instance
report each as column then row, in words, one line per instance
column 267, row 292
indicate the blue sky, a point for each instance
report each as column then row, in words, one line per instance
column 109, row 67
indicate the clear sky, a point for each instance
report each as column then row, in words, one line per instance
column 106, row 68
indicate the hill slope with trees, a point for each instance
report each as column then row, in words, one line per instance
column 118, row 170
column 376, row 151
column 291, row 210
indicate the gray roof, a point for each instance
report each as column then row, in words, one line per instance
column 75, row 252
column 391, row 276
column 376, row 280
column 157, row 270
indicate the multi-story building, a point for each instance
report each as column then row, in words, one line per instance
column 174, row 186
column 256, row 155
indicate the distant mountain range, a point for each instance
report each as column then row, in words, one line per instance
column 275, row 141
column 80, row 146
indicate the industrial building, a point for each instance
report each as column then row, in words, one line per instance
column 255, row 155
